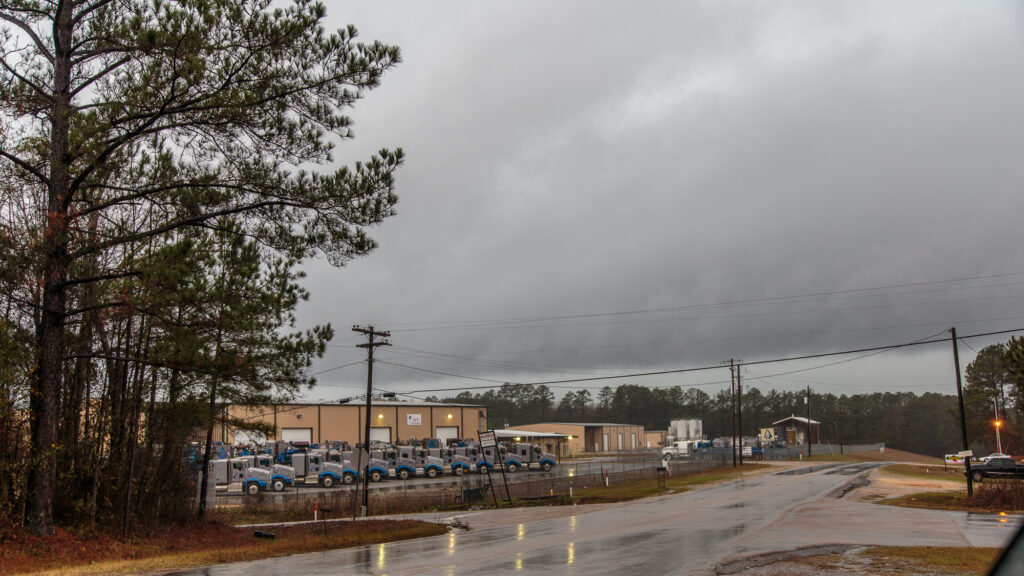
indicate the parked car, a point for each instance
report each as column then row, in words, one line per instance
column 997, row 468
column 991, row 456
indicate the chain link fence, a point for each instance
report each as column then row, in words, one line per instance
column 475, row 489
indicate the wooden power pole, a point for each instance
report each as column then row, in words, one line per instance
column 370, row 344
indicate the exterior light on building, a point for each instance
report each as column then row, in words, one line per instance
column 449, row 416
column 380, row 416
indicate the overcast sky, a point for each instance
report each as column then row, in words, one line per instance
column 599, row 188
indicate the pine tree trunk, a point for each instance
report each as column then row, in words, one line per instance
column 44, row 403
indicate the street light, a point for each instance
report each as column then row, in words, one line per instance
column 999, row 445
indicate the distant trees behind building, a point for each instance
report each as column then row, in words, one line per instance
column 927, row 423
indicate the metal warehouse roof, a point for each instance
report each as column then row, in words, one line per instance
column 800, row 419
column 377, row 403
column 509, row 433
column 594, row 424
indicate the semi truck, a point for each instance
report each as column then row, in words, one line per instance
column 327, row 474
column 228, row 470
column 526, row 456
column 279, row 476
column 412, row 461
column 457, row 459
column 680, row 449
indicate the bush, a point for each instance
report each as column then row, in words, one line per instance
column 1002, row 494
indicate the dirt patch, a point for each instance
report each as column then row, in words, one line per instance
column 889, row 455
column 882, row 486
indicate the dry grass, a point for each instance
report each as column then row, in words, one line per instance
column 189, row 546
column 643, row 488
column 890, row 561
column 935, row 560
column 953, row 474
column 890, row 455
column 981, row 502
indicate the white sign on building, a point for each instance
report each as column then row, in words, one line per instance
column 414, row 419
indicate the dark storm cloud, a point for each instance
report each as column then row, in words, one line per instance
column 578, row 158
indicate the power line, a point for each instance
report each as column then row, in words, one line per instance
column 338, row 367
column 457, row 324
column 873, row 349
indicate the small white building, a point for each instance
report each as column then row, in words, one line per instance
column 794, row 430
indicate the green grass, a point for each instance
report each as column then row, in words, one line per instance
column 924, row 472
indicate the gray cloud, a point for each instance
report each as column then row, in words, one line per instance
column 578, row 158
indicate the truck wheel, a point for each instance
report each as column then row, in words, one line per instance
column 431, row 472
column 327, row 481
column 278, row 485
column 483, row 469
column 403, row 474
column 511, row 468
column 252, row 489
column 546, row 466
column 375, row 476
column 348, row 478
column 977, row 476
column 667, row 456
column 458, row 471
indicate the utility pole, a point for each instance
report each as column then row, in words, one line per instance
column 963, row 419
column 732, row 393
column 371, row 343
column 739, row 409
column 808, row 421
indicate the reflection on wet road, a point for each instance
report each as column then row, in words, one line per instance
column 684, row 533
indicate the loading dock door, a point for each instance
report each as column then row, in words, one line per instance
column 445, row 433
column 380, row 434
column 297, row 435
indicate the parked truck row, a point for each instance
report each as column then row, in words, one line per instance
column 334, row 463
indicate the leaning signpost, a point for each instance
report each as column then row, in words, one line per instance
column 489, row 439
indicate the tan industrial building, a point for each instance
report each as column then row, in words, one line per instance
column 390, row 421
column 655, row 438
column 584, row 437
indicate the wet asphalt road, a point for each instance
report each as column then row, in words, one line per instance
column 680, row 534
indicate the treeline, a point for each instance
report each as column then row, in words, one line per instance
column 152, row 214
column 928, row 423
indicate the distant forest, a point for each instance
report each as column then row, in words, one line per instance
column 928, row 423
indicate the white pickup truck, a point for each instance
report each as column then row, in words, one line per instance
column 679, row 449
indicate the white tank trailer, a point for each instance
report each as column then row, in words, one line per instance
column 685, row 429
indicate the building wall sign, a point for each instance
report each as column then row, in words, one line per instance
column 414, row 419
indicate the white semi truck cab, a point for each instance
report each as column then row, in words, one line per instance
column 679, row 449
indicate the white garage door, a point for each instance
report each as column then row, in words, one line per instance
column 297, row 434
column 380, row 434
column 445, row 433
